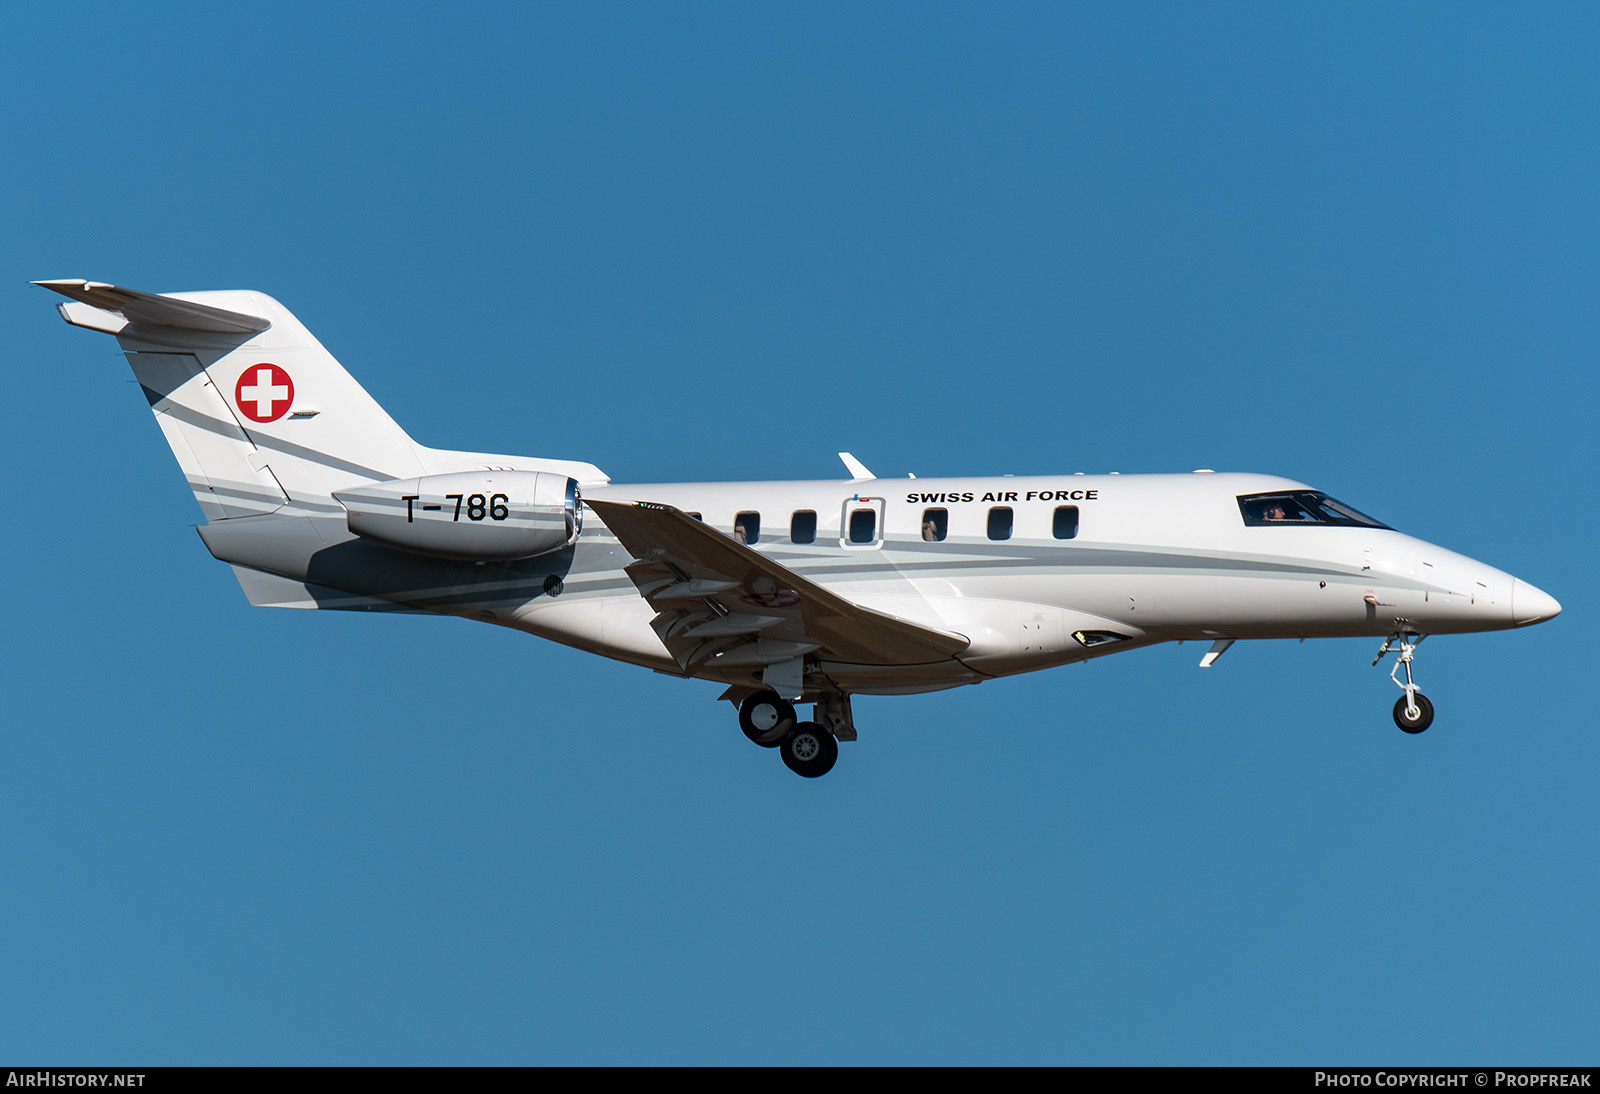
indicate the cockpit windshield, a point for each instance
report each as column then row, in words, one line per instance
column 1302, row 507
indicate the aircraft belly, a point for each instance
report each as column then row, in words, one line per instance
column 617, row 627
column 1012, row 636
column 900, row 679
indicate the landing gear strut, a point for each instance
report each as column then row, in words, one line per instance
column 1412, row 711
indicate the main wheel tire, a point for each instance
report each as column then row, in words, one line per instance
column 1422, row 721
column 766, row 718
column 810, row 751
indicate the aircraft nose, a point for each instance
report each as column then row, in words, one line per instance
column 1530, row 605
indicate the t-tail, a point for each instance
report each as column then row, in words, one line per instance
column 263, row 420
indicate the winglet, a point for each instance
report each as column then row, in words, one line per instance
column 858, row 470
column 151, row 308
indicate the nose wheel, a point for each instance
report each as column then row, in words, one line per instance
column 1413, row 712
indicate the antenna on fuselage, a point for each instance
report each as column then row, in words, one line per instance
column 858, row 470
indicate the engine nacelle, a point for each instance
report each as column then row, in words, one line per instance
column 476, row 516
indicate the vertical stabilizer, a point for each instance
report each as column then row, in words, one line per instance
column 259, row 415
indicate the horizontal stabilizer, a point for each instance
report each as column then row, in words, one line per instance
column 151, row 308
column 271, row 591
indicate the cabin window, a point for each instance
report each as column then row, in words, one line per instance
column 696, row 516
column 1000, row 522
column 747, row 528
column 1301, row 507
column 863, row 525
column 1065, row 525
column 935, row 525
column 803, row 526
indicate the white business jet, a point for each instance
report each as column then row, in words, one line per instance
column 787, row 592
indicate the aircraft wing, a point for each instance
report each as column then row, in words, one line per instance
column 716, row 596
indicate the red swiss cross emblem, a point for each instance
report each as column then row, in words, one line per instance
column 264, row 393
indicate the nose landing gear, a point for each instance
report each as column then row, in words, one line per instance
column 1413, row 712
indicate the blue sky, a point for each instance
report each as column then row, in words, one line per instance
column 1356, row 246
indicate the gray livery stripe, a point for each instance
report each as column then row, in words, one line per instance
column 230, row 430
column 1189, row 567
column 246, row 492
column 1061, row 560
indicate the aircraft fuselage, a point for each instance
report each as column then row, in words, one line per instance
column 1151, row 558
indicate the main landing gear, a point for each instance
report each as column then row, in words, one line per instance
column 808, row 749
column 1412, row 711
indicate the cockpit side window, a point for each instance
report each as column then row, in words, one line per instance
column 1301, row 507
